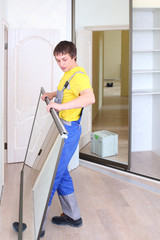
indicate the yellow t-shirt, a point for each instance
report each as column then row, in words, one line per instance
column 78, row 83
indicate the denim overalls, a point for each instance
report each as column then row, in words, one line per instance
column 63, row 182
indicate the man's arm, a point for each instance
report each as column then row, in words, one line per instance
column 50, row 95
column 86, row 98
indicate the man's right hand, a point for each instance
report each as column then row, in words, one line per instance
column 50, row 95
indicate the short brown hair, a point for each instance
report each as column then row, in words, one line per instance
column 65, row 47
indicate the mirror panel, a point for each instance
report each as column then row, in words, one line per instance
column 39, row 169
column 145, row 151
column 43, row 183
column 110, row 81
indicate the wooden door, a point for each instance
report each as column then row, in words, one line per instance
column 31, row 65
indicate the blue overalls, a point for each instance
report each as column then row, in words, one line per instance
column 63, row 182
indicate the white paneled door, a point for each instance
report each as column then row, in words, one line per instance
column 84, row 59
column 31, row 65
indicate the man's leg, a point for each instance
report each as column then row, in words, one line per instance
column 71, row 214
column 67, row 197
column 68, row 150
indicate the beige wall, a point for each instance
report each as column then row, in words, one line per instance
column 97, row 70
column 112, row 54
column 125, row 64
column 146, row 3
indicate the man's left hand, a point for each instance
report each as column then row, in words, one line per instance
column 56, row 106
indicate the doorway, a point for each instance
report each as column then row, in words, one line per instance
column 110, row 81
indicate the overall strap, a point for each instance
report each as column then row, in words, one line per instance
column 67, row 82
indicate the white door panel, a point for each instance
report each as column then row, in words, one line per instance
column 31, row 66
column 84, row 53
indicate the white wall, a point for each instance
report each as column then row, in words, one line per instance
column 37, row 14
column 101, row 13
column 48, row 14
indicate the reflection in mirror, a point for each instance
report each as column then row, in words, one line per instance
column 110, row 78
column 39, row 169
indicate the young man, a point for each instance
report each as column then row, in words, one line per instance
column 74, row 92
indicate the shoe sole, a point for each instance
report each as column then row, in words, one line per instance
column 67, row 223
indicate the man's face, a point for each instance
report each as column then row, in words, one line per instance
column 65, row 62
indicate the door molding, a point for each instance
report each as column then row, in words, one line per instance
column 106, row 28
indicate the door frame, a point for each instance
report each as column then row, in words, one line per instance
column 96, row 159
column 4, row 103
column 5, row 39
